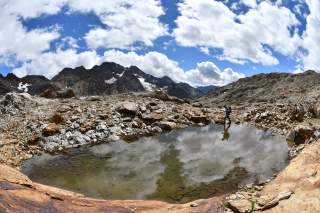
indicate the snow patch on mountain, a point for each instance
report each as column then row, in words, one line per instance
column 147, row 86
column 120, row 75
column 23, row 87
column 111, row 81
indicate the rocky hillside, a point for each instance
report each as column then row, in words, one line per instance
column 208, row 89
column 34, row 84
column 268, row 88
column 106, row 79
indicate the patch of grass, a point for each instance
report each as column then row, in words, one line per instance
column 252, row 206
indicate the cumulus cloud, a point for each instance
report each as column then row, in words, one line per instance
column 51, row 63
column 251, row 36
column 153, row 63
column 32, row 8
column 126, row 22
column 250, row 3
column 311, row 37
column 207, row 73
column 158, row 64
column 17, row 43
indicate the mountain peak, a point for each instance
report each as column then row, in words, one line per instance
column 11, row 76
column 109, row 65
column 108, row 78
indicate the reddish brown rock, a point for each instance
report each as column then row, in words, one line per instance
column 88, row 125
column 57, row 118
column 167, row 126
column 49, row 93
column 34, row 140
column 51, row 129
column 152, row 118
column 302, row 178
column 19, row 194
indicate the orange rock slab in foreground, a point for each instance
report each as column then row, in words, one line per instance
column 302, row 177
column 19, row 194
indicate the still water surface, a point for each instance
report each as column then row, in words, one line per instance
column 177, row 167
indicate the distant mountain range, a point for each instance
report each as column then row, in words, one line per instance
column 207, row 89
column 106, row 79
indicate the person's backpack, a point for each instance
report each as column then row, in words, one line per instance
column 229, row 110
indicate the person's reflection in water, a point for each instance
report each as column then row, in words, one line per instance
column 226, row 134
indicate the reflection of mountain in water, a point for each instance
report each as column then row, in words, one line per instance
column 176, row 167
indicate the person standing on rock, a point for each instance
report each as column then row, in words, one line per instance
column 227, row 111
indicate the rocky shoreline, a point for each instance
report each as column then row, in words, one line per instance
column 31, row 125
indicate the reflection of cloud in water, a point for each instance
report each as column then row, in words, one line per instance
column 131, row 171
column 206, row 157
column 38, row 161
column 134, row 168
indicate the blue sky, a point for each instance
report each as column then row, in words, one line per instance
column 200, row 42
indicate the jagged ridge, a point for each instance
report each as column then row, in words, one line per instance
column 268, row 88
column 106, row 79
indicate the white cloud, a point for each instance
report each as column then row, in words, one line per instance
column 205, row 50
column 311, row 37
column 251, row 36
column 68, row 42
column 207, row 73
column 250, row 3
column 154, row 63
column 159, row 65
column 31, row 8
column 50, row 63
column 126, row 22
column 17, row 43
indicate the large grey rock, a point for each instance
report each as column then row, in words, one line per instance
column 13, row 103
column 128, row 108
column 51, row 146
column 284, row 195
column 239, row 206
column 314, row 110
column 162, row 95
column 116, row 130
column 298, row 113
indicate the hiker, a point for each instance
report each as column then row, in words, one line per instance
column 227, row 110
